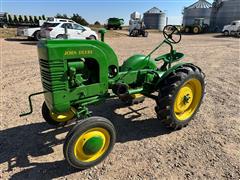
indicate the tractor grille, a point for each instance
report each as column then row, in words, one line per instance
column 52, row 74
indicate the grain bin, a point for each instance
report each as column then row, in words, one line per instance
column 154, row 19
column 200, row 9
column 223, row 13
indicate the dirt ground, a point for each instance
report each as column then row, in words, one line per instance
column 208, row 148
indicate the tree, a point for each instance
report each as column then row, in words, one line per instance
column 97, row 23
column 64, row 16
column 78, row 19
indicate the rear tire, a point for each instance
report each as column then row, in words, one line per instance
column 60, row 36
column 196, row 30
column 89, row 142
column 180, row 96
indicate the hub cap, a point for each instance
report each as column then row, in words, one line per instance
column 187, row 99
column 92, row 144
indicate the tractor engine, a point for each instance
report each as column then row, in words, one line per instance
column 82, row 72
column 75, row 73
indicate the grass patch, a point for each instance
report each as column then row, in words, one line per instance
column 8, row 32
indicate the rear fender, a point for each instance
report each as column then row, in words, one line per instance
column 168, row 72
column 138, row 62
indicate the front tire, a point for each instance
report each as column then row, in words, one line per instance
column 89, row 142
column 56, row 119
column 180, row 96
column 145, row 34
column 226, row 33
column 37, row 36
column 92, row 37
column 5, row 26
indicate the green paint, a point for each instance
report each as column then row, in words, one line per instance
column 115, row 23
column 102, row 32
column 93, row 145
column 78, row 73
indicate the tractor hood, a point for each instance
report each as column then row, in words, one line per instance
column 226, row 27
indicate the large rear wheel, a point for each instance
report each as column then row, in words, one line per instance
column 180, row 96
column 196, row 30
column 89, row 142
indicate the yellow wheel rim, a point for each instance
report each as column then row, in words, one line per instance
column 135, row 96
column 63, row 117
column 187, row 99
column 79, row 147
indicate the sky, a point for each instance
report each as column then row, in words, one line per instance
column 96, row 10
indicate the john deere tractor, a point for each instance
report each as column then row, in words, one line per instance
column 199, row 26
column 79, row 73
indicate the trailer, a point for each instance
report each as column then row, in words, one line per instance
column 13, row 20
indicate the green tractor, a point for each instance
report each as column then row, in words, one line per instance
column 79, row 73
column 114, row 23
column 199, row 26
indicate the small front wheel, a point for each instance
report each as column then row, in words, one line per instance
column 89, row 142
column 56, row 119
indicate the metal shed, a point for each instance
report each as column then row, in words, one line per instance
column 200, row 9
column 223, row 13
column 154, row 19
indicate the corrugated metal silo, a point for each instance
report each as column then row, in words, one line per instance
column 200, row 9
column 224, row 12
column 154, row 19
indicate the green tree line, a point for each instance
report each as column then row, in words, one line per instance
column 75, row 17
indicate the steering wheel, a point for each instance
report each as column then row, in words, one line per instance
column 172, row 34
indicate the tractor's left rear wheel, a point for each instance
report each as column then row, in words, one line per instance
column 89, row 142
column 56, row 119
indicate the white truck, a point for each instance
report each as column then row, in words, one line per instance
column 136, row 25
column 232, row 29
column 31, row 33
column 35, row 33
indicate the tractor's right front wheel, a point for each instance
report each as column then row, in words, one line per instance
column 89, row 142
column 180, row 96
